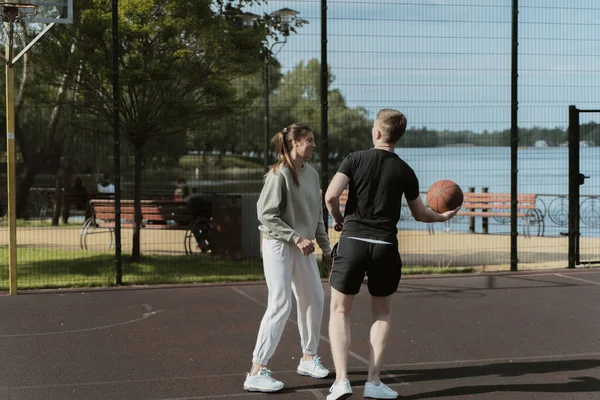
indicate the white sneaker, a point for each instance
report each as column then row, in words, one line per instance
column 262, row 382
column 340, row 390
column 381, row 391
column 312, row 368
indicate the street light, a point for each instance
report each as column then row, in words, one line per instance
column 248, row 19
column 287, row 17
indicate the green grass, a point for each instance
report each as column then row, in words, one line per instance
column 200, row 268
column 53, row 268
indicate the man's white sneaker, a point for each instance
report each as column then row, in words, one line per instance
column 381, row 391
column 262, row 382
column 340, row 390
column 312, row 368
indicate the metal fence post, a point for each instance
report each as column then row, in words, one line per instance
column 484, row 220
column 573, row 186
column 471, row 219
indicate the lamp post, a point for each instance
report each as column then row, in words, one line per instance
column 287, row 16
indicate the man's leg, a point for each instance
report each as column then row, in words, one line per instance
column 339, row 331
column 381, row 308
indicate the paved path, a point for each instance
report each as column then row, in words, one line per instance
column 418, row 248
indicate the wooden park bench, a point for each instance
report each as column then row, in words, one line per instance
column 491, row 205
column 156, row 214
column 498, row 205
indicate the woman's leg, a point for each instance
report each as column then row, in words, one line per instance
column 278, row 274
column 308, row 290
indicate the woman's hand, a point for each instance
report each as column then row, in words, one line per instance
column 306, row 246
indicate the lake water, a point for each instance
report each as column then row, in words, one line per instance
column 543, row 171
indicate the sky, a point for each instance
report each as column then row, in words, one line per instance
column 447, row 63
column 49, row 10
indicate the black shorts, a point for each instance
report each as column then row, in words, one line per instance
column 353, row 259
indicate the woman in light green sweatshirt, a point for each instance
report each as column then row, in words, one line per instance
column 291, row 217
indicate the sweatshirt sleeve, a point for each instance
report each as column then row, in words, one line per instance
column 322, row 235
column 271, row 203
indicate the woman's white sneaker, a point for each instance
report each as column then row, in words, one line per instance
column 262, row 382
column 381, row 391
column 340, row 390
column 312, row 368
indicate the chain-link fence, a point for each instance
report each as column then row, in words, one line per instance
column 449, row 66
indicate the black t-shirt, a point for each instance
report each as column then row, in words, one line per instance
column 378, row 179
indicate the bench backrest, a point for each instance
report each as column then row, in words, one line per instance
column 489, row 201
column 152, row 210
column 480, row 201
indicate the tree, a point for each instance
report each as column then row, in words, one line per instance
column 178, row 61
column 36, row 153
column 298, row 99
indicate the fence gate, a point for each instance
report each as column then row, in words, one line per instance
column 584, row 189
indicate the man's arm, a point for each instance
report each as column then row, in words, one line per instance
column 426, row 214
column 332, row 197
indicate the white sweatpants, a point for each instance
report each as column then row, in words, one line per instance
column 287, row 270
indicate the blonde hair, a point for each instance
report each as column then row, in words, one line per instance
column 283, row 142
column 392, row 124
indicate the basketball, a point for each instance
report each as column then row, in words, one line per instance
column 444, row 195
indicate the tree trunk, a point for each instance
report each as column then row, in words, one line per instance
column 27, row 177
column 137, row 203
column 33, row 163
column 58, row 197
column 67, row 180
column 69, row 160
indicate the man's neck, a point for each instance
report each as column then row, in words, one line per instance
column 386, row 147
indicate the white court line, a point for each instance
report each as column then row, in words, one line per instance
column 496, row 274
column 493, row 360
column 149, row 380
column 325, row 339
column 419, row 364
column 230, row 396
column 578, row 279
column 384, row 372
column 434, row 363
column 149, row 313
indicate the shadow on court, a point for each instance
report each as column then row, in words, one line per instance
column 495, row 336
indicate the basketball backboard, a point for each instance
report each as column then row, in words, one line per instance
column 57, row 11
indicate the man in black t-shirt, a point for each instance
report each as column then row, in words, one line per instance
column 368, row 245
